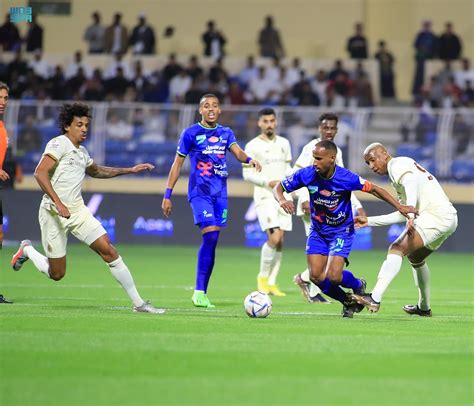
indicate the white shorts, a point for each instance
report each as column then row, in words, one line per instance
column 54, row 230
column 435, row 229
column 271, row 215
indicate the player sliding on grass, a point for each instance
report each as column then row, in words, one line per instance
column 330, row 240
column 436, row 221
column 60, row 174
column 206, row 143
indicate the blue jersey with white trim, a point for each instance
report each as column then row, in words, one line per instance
column 330, row 199
column 207, row 149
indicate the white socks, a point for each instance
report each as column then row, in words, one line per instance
column 421, row 275
column 275, row 268
column 266, row 260
column 39, row 260
column 388, row 271
column 123, row 276
column 313, row 289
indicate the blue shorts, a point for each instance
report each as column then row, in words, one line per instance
column 209, row 211
column 336, row 244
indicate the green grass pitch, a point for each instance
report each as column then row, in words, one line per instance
column 77, row 342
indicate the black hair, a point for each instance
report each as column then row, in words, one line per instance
column 328, row 116
column 267, row 111
column 326, row 144
column 3, row 85
column 69, row 111
column 205, row 96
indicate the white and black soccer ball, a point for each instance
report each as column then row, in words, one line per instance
column 258, row 304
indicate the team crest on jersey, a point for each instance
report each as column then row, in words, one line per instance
column 200, row 138
column 313, row 189
column 213, row 139
column 325, row 192
column 54, row 143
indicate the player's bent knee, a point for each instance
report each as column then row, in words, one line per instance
column 398, row 248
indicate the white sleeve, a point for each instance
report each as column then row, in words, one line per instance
column 356, row 204
column 55, row 148
column 408, row 180
column 251, row 175
column 386, row 219
column 339, row 160
column 306, row 157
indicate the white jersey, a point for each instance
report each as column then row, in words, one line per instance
column 430, row 195
column 275, row 157
column 69, row 173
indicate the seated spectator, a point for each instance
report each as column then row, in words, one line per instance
column 260, row 89
column 338, row 90
column 452, row 94
column 172, row 68
column 77, row 64
column 193, row 69
column 249, row 72
column 93, row 89
column 178, row 87
column 362, row 91
column 116, row 86
column 39, row 65
column 57, row 84
column 118, row 62
column 273, row 72
column 338, row 69
column 465, row 74
column 235, row 95
column 217, row 71
column 468, row 94
column 17, row 65
column 293, row 73
column 358, row 71
column 319, row 85
column 139, row 80
column 118, row 129
column 95, row 35
column 142, row 39
column 29, row 137
column 194, row 93
column 306, row 96
column 75, row 83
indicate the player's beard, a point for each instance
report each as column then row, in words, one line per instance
column 270, row 133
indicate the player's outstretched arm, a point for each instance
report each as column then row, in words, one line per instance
column 105, row 172
column 241, row 156
column 42, row 171
column 286, row 205
column 173, row 177
column 382, row 194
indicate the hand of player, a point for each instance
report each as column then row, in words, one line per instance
column 361, row 212
column 287, row 206
column 306, row 208
column 361, row 222
column 3, row 175
column 142, row 168
column 166, row 206
column 255, row 164
column 63, row 211
column 405, row 210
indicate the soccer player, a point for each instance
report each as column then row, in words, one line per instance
column 328, row 131
column 332, row 229
column 436, row 221
column 274, row 154
column 4, row 90
column 206, row 143
column 60, row 174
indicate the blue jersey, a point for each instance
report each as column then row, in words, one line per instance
column 206, row 148
column 330, row 199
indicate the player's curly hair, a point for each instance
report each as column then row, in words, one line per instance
column 329, row 117
column 4, row 86
column 69, row 111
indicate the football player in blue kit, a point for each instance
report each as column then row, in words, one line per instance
column 206, row 143
column 332, row 225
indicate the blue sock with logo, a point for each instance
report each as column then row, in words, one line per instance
column 349, row 281
column 331, row 290
column 206, row 257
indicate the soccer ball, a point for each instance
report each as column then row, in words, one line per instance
column 258, row 304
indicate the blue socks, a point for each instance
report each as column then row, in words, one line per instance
column 349, row 281
column 206, row 257
column 333, row 291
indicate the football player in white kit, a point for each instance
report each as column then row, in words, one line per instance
column 60, row 174
column 274, row 154
column 436, row 221
column 328, row 131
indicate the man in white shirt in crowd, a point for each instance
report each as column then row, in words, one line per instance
column 274, row 154
column 328, row 126
column 436, row 221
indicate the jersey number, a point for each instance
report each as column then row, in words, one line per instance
column 421, row 169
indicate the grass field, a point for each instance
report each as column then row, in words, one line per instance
column 77, row 341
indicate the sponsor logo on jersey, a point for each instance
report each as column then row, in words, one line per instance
column 213, row 139
column 204, row 168
column 325, row 192
column 200, row 138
